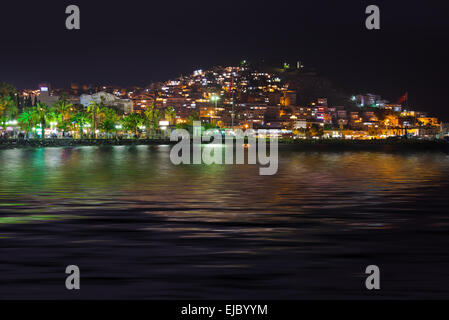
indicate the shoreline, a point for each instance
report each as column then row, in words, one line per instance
column 306, row 145
column 43, row 143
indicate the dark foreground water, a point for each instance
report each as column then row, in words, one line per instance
column 139, row 227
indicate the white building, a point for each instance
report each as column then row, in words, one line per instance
column 108, row 99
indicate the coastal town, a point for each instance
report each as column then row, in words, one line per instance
column 289, row 101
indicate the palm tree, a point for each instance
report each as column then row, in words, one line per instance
column 27, row 119
column 80, row 119
column 66, row 110
column 41, row 111
column 63, row 107
column 54, row 117
column 95, row 111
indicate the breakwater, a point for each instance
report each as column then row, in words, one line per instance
column 385, row 145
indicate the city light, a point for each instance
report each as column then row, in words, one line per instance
column 224, row 97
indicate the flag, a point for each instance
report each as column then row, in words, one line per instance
column 231, row 84
column 403, row 98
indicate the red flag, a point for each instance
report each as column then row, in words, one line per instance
column 230, row 85
column 403, row 98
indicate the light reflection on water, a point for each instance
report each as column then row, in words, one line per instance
column 140, row 227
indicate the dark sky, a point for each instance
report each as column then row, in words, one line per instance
column 137, row 42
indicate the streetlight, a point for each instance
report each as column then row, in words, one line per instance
column 215, row 99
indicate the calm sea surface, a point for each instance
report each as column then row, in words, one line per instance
column 139, row 227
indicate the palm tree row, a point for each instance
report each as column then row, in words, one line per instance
column 76, row 121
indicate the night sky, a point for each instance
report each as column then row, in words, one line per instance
column 137, row 42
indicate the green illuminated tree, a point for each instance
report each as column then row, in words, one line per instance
column 80, row 119
column 8, row 109
column 109, row 120
column 131, row 122
column 7, row 89
column 40, row 112
column 170, row 115
column 151, row 118
column 93, row 109
column 65, row 108
column 27, row 119
column 193, row 117
column 315, row 131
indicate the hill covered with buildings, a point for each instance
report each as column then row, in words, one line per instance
column 289, row 99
